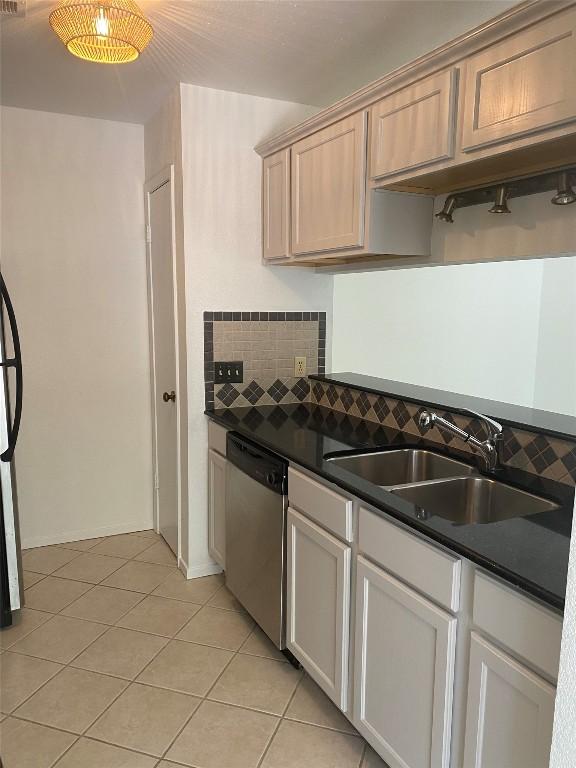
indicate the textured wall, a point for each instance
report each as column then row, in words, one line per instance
column 73, row 256
column 222, row 231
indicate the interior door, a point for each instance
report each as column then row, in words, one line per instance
column 164, row 361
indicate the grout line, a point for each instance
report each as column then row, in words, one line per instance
column 60, row 730
column 279, row 723
column 133, row 681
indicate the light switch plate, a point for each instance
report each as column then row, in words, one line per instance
column 229, row 372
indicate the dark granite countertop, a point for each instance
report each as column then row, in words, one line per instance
column 532, row 419
column 529, row 552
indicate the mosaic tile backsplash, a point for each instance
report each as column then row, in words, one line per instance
column 267, row 343
column 542, row 455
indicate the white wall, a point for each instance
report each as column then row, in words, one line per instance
column 555, row 375
column 222, row 231
column 73, row 257
column 504, row 331
column 471, row 328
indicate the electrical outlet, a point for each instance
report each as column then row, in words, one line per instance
column 299, row 366
column 229, row 372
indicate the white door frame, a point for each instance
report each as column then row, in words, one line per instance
column 166, row 176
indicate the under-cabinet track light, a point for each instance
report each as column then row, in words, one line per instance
column 500, row 205
column 446, row 213
column 565, row 194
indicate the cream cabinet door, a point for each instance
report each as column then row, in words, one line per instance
column 329, row 187
column 319, row 605
column 275, row 205
column 524, row 85
column 510, row 712
column 403, row 672
column 217, row 507
column 414, row 127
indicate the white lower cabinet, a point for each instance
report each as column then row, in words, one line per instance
column 416, row 611
column 403, row 672
column 510, row 712
column 217, row 507
column 319, row 604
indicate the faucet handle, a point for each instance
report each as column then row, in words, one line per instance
column 494, row 427
column 425, row 420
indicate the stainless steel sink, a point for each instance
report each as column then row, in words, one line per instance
column 405, row 465
column 468, row 500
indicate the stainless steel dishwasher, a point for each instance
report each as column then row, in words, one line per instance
column 256, row 502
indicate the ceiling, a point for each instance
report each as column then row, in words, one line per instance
column 309, row 51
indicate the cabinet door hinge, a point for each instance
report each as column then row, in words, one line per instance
column 156, row 482
column 148, row 234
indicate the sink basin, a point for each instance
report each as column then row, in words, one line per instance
column 469, row 500
column 405, row 465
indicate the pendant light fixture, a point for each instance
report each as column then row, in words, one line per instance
column 104, row 31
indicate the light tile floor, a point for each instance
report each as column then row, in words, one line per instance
column 119, row 662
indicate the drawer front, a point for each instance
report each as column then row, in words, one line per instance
column 525, row 84
column 428, row 569
column 217, row 438
column 522, row 625
column 321, row 504
column 414, row 127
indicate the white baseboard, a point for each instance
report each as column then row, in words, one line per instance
column 197, row 571
column 86, row 533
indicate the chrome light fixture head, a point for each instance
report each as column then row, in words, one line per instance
column 446, row 213
column 565, row 194
column 500, row 205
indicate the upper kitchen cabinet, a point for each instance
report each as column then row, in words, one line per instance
column 414, row 127
column 333, row 216
column 495, row 104
column 275, row 205
column 522, row 87
column 329, row 186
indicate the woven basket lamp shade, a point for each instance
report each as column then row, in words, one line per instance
column 105, row 31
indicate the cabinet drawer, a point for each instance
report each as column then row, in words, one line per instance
column 415, row 126
column 520, row 624
column 217, row 438
column 428, row 569
column 330, row 509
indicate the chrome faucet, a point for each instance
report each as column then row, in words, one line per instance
column 489, row 449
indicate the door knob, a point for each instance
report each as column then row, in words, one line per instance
column 169, row 396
